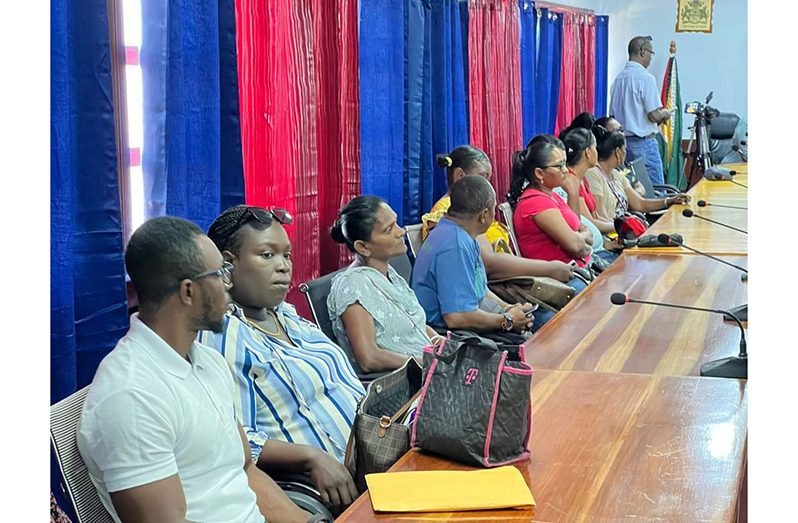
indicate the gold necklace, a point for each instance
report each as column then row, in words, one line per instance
column 265, row 330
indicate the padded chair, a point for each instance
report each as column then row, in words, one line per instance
column 506, row 215
column 80, row 490
column 403, row 266
column 316, row 292
column 653, row 190
column 76, row 484
column 724, row 132
column 414, row 238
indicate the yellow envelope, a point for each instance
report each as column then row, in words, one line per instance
column 449, row 490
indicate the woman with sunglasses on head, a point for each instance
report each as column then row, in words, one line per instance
column 613, row 193
column 546, row 227
column 297, row 390
column 372, row 308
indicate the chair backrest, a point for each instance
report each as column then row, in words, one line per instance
column 506, row 214
column 722, row 136
column 316, row 292
column 64, row 417
column 414, row 238
column 638, row 168
column 403, row 266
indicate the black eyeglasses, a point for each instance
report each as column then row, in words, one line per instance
column 562, row 166
column 264, row 216
column 225, row 273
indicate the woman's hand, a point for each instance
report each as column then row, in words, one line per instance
column 679, row 199
column 562, row 271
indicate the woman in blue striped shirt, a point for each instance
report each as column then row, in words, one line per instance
column 297, row 390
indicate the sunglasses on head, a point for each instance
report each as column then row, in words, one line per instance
column 264, row 216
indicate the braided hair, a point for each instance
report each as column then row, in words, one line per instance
column 225, row 231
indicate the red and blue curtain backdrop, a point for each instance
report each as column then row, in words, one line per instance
column 298, row 85
column 494, row 74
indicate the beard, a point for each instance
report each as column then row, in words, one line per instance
column 210, row 320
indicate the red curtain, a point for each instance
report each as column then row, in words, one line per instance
column 494, row 81
column 577, row 72
column 298, row 88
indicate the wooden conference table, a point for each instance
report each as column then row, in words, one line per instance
column 624, row 429
column 618, row 447
column 700, row 234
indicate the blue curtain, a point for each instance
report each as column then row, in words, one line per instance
column 231, row 158
column 414, row 99
column 381, row 56
column 528, row 67
column 88, row 311
column 547, row 88
column 449, row 87
column 88, row 304
column 602, row 31
column 418, row 112
column 181, row 63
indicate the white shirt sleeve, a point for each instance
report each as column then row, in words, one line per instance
column 651, row 100
column 131, row 438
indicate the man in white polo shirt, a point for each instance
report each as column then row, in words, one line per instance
column 635, row 103
column 158, row 431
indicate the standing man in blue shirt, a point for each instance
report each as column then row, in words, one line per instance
column 635, row 103
column 449, row 277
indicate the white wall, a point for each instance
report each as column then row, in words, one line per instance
column 716, row 61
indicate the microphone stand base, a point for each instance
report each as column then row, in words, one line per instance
column 736, row 368
column 741, row 312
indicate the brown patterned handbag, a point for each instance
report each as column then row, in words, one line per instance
column 378, row 436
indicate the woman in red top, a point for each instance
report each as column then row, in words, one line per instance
column 546, row 228
column 581, row 155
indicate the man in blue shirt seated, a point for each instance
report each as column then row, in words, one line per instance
column 297, row 391
column 449, row 276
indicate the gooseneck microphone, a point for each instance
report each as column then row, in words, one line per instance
column 734, row 367
column 721, row 174
column 688, row 213
column 669, row 240
column 704, row 203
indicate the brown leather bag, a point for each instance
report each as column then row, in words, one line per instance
column 549, row 293
column 378, row 436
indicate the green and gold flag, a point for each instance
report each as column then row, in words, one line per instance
column 671, row 131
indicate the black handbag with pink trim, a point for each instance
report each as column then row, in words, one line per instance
column 475, row 402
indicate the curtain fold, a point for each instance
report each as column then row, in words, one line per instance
column 601, row 60
column 231, row 164
column 547, row 80
column 495, row 84
column 528, row 59
column 418, row 123
column 181, row 153
column 88, row 303
column 382, row 142
column 566, row 105
column 577, row 72
column 298, row 88
column 449, row 88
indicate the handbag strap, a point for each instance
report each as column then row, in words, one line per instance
column 350, row 444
